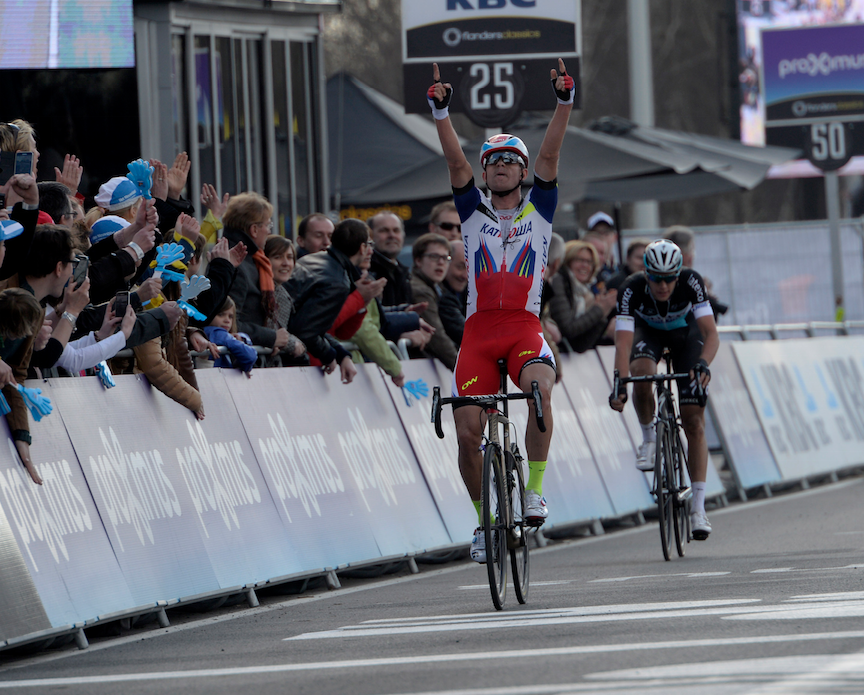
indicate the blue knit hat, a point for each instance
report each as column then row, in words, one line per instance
column 117, row 193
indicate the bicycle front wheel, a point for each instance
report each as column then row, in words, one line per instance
column 681, row 507
column 518, row 537
column 662, row 484
column 495, row 522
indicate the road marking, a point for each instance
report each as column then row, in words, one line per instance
column 450, row 658
column 657, row 576
column 779, row 570
column 522, row 619
column 471, row 587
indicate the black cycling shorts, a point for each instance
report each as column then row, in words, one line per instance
column 685, row 344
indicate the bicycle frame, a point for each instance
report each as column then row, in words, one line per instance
column 503, row 488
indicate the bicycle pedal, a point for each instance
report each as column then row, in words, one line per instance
column 535, row 522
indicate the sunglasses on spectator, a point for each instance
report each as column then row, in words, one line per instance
column 449, row 226
column 437, row 257
column 15, row 129
column 506, row 157
column 668, row 279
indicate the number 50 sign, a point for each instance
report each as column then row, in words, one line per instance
column 496, row 53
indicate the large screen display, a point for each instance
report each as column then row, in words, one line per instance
column 66, row 34
column 756, row 15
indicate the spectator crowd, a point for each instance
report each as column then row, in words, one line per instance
column 137, row 284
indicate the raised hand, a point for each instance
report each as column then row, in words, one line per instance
column 563, row 84
column 71, row 174
column 210, row 199
column 160, row 180
column 177, row 175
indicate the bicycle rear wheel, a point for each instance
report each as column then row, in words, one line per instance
column 495, row 522
column 518, row 540
column 680, row 507
column 661, row 489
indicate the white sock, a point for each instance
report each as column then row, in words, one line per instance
column 698, row 497
column 649, row 434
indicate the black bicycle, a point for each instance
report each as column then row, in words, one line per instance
column 671, row 486
column 503, row 498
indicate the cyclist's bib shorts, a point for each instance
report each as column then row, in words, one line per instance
column 513, row 335
column 685, row 344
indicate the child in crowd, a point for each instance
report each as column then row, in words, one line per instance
column 222, row 330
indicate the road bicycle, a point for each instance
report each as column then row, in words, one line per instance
column 671, row 486
column 503, row 495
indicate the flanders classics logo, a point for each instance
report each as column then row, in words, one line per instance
column 526, row 352
column 468, row 383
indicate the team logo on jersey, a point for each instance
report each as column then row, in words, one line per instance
column 523, row 264
column 526, row 352
column 483, row 261
column 640, row 346
column 469, row 382
column 490, row 230
column 525, row 212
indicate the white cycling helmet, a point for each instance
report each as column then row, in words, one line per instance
column 662, row 257
column 504, row 142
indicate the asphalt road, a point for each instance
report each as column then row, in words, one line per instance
column 773, row 602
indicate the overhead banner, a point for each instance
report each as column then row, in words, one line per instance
column 496, row 53
column 808, row 396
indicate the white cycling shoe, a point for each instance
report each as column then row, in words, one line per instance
column 700, row 527
column 645, row 456
column 478, row 546
column 536, row 510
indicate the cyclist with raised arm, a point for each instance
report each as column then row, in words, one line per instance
column 506, row 240
column 666, row 306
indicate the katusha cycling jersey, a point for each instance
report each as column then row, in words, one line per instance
column 506, row 250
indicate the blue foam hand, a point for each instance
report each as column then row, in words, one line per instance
column 417, row 388
column 191, row 310
column 406, row 395
column 4, row 405
column 103, row 371
column 168, row 275
column 167, row 254
column 141, row 174
column 38, row 404
column 193, row 287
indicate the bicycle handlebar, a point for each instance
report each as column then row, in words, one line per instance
column 485, row 402
column 619, row 381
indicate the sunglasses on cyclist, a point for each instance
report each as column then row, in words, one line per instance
column 449, row 226
column 668, row 279
column 506, row 157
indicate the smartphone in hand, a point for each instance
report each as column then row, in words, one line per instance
column 80, row 273
column 23, row 162
column 121, row 303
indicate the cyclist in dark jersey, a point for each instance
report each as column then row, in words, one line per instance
column 667, row 306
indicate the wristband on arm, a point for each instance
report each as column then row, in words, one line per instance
column 440, row 107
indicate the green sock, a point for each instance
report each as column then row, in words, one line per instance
column 478, row 505
column 535, row 476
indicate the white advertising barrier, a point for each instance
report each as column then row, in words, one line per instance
column 128, row 458
column 57, row 526
column 743, row 440
column 300, row 457
column 809, row 399
column 364, row 430
column 588, row 389
column 234, row 513
column 438, row 458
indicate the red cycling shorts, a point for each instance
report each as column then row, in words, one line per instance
column 515, row 336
